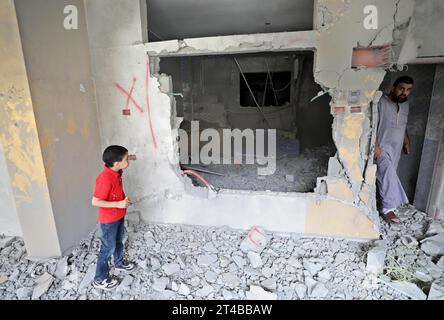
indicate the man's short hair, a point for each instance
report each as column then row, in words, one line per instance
column 403, row 79
column 113, row 154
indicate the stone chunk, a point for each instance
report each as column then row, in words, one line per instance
column 434, row 228
column 230, row 280
column 301, row 290
column 3, row 279
column 62, row 269
column 88, row 278
column 5, row 242
column 43, row 284
column 204, row 291
column 240, row 262
column 257, row 293
column 210, row 276
column 269, row 284
column 440, row 263
column 24, row 293
column 184, row 290
column 256, row 240
column 433, row 246
column 209, row 247
column 376, row 259
column 312, row 267
column 407, row 288
column 171, row 268
column 125, row 284
column 436, row 291
column 255, row 259
column 340, row 258
column 319, row 291
column 159, row 284
column 294, row 262
column 206, row 260
column 324, row 275
column 155, row 263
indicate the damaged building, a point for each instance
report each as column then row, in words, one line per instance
column 173, row 81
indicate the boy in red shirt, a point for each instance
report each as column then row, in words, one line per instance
column 112, row 202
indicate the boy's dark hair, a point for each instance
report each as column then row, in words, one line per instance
column 113, row 154
column 403, row 79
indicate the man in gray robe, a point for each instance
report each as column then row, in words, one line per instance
column 391, row 139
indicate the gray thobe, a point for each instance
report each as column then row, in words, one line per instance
column 390, row 136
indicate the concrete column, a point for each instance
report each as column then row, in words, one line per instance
column 435, row 206
column 20, row 142
column 433, row 138
column 58, row 65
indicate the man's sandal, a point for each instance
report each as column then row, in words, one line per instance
column 391, row 217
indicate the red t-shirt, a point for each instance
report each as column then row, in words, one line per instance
column 109, row 187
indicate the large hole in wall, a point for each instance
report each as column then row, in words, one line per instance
column 212, row 89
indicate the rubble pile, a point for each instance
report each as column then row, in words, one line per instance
column 192, row 262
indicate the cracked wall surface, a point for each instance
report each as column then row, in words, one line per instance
column 163, row 195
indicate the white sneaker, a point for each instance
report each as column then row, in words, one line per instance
column 107, row 284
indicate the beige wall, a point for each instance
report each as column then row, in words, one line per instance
column 19, row 139
column 58, row 64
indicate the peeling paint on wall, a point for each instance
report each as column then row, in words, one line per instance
column 334, row 218
column 20, row 142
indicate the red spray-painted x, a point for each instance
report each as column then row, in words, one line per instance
column 129, row 98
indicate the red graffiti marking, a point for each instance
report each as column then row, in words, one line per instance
column 129, row 96
column 148, row 105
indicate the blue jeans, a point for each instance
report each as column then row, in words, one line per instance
column 111, row 245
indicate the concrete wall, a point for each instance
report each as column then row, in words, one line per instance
column 62, row 91
column 346, row 197
column 428, row 26
column 419, row 101
column 119, row 59
column 21, row 146
column 433, row 138
column 9, row 222
column 435, row 204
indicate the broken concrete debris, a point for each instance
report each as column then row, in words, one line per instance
column 376, row 259
column 255, row 259
column 436, row 291
column 409, row 289
column 195, row 262
column 433, row 246
column 257, row 293
column 171, row 268
column 43, row 284
column 256, row 240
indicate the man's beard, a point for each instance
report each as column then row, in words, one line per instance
column 400, row 99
